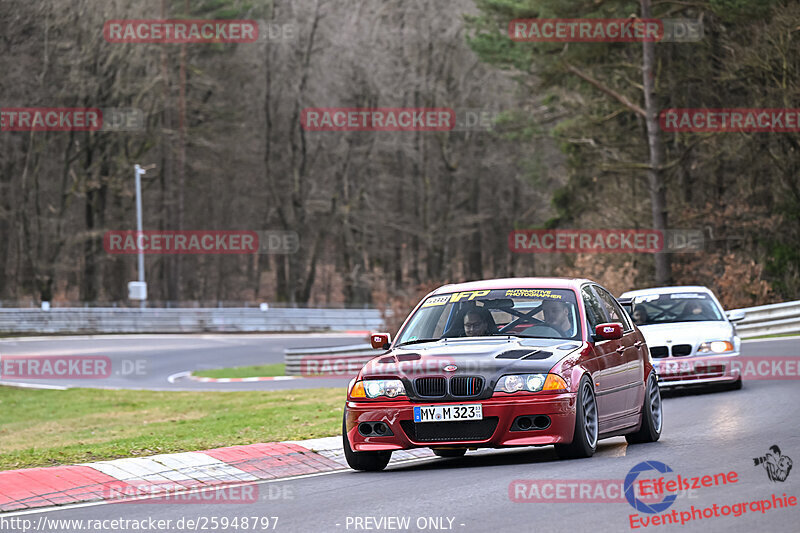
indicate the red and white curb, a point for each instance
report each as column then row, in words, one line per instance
column 187, row 374
column 165, row 474
column 187, row 477
column 239, row 380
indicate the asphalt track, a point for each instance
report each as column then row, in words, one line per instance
column 161, row 362
column 705, row 433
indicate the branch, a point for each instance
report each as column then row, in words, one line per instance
column 604, row 88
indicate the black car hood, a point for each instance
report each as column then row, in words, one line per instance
column 489, row 358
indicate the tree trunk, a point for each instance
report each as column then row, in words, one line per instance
column 658, row 191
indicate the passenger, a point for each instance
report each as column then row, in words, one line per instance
column 557, row 316
column 477, row 323
column 639, row 316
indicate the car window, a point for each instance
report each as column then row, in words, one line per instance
column 524, row 312
column 594, row 310
column 612, row 308
column 675, row 307
column 441, row 324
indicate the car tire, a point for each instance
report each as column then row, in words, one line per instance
column 652, row 415
column 366, row 461
column 450, row 452
column 584, row 439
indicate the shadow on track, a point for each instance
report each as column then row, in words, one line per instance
column 698, row 390
column 495, row 457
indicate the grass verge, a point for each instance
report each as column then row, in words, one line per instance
column 49, row 427
column 277, row 369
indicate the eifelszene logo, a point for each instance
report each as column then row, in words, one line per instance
column 637, row 503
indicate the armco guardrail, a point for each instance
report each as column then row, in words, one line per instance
column 344, row 361
column 119, row 320
column 774, row 319
column 347, row 360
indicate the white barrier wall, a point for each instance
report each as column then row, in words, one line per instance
column 123, row 320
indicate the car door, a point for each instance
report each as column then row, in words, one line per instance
column 631, row 361
column 608, row 379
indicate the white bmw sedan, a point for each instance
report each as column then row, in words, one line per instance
column 691, row 339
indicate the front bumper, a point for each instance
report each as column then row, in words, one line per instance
column 399, row 416
column 697, row 370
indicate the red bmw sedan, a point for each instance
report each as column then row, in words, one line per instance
column 505, row 362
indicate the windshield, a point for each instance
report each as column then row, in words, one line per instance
column 676, row 307
column 539, row 313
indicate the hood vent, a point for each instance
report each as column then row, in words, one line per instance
column 524, row 354
column 514, row 354
column 538, row 354
column 400, row 358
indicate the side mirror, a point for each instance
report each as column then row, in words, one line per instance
column 736, row 315
column 608, row 332
column 380, row 341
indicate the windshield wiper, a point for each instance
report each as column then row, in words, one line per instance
column 417, row 341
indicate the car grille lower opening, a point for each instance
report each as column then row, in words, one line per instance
column 466, row 430
column 680, row 350
column 658, row 351
column 466, row 386
column 431, row 387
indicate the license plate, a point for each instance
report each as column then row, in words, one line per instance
column 447, row 413
column 671, row 368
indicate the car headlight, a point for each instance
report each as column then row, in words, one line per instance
column 715, row 347
column 530, row 383
column 375, row 388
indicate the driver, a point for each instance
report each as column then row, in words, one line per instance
column 693, row 311
column 476, row 323
column 557, row 316
column 639, row 316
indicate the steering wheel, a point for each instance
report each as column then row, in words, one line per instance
column 513, row 323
